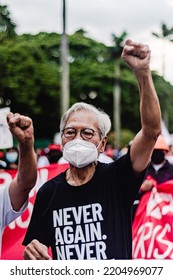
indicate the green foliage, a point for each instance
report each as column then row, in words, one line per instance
column 130, row 116
column 126, row 136
column 165, row 91
column 30, row 76
column 7, row 26
column 90, row 71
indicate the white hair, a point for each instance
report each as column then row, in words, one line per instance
column 104, row 123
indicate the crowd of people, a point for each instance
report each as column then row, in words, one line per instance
column 85, row 212
column 49, row 155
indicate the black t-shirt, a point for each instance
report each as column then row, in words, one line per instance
column 91, row 221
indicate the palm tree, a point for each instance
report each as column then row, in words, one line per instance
column 116, row 51
column 165, row 35
column 7, row 26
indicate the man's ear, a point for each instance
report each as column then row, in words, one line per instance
column 103, row 144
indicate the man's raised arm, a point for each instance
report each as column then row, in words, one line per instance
column 137, row 56
column 22, row 129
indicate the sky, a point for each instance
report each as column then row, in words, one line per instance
column 101, row 19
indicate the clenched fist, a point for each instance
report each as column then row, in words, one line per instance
column 21, row 128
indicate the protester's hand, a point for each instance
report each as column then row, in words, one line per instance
column 137, row 56
column 21, row 127
column 147, row 185
column 36, row 251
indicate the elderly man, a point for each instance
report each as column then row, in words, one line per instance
column 13, row 198
column 85, row 212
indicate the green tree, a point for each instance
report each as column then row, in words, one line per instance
column 30, row 76
column 7, row 26
column 91, row 71
column 165, row 35
column 164, row 90
column 30, row 79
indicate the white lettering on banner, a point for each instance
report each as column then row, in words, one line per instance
column 153, row 206
column 151, row 233
column 78, row 232
column 154, row 238
column 6, row 178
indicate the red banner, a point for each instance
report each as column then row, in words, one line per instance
column 153, row 224
column 12, row 248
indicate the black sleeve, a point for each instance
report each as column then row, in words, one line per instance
column 37, row 227
column 130, row 183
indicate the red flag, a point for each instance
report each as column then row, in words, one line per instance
column 153, row 224
column 14, row 233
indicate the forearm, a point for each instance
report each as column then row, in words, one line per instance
column 150, row 124
column 149, row 106
column 137, row 56
column 27, row 168
column 26, row 177
column 22, row 129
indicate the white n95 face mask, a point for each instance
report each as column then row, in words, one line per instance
column 80, row 153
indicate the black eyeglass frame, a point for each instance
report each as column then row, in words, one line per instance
column 84, row 137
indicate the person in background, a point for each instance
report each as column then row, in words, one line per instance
column 85, row 212
column 49, row 155
column 169, row 155
column 158, row 171
column 54, row 153
column 152, row 212
column 11, row 158
column 42, row 159
column 107, row 155
column 14, row 197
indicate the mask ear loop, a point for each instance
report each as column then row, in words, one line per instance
column 99, row 144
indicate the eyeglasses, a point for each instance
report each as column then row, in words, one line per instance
column 86, row 133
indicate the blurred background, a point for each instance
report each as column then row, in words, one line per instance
column 57, row 52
